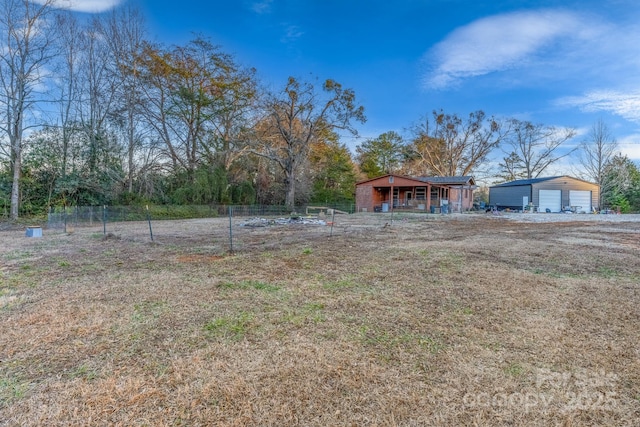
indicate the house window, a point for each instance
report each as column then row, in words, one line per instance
column 390, row 180
column 439, row 192
column 421, row 193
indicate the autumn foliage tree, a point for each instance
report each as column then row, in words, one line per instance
column 197, row 102
column 179, row 94
column 298, row 117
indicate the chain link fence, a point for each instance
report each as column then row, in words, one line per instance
column 81, row 216
column 230, row 228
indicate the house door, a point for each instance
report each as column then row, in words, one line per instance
column 409, row 197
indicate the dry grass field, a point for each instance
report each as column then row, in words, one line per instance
column 458, row 320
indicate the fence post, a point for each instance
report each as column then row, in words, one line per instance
column 64, row 212
column 104, row 220
column 230, row 228
column 149, row 220
column 333, row 221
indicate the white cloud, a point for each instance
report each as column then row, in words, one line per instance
column 89, row 6
column 623, row 104
column 503, row 42
column 291, row 33
column 262, row 7
column 630, row 146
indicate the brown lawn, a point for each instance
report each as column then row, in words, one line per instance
column 423, row 320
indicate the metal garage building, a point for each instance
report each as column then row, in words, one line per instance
column 551, row 194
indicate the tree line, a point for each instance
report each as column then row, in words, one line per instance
column 93, row 112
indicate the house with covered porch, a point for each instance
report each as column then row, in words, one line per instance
column 425, row 193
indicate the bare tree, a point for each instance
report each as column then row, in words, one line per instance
column 537, row 146
column 68, row 88
column 85, row 93
column 596, row 153
column 449, row 145
column 124, row 31
column 298, row 117
column 26, row 39
column 99, row 94
column 510, row 168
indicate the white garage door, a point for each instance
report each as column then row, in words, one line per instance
column 549, row 199
column 581, row 200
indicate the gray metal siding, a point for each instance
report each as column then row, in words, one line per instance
column 565, row 184
column 512, row 195
column 509, row 196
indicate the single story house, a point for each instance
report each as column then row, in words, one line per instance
column 550, row 194
column 425, row 193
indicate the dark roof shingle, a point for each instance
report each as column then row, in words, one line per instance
column 446, row 179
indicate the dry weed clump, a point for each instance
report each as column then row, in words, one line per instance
column 415, row 320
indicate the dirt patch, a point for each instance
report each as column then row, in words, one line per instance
column 379, row 320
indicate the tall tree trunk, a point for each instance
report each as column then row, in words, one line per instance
column 15, row 188
column 290, row 197
column 131, row 147
column 25, row 46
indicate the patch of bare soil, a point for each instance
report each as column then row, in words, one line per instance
column 377, row 320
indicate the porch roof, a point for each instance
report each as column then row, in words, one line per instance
column 448, row 180
column 384, row 181
column 406, row 181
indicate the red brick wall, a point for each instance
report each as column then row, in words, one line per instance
column 364, row 198
column 454, row 198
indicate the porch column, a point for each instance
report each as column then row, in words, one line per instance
column 428, row 198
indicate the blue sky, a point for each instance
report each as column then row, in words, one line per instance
column 563, row 63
